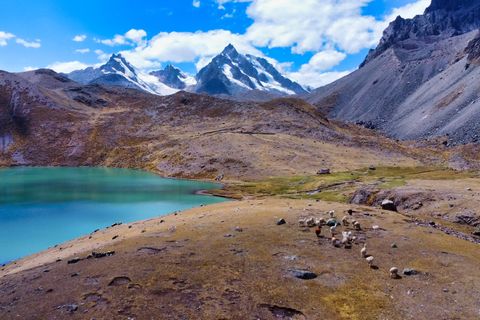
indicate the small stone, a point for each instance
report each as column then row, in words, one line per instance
column 303, row 274
column 114, row 237
column 332, row 222
column 238, row 229
column 281, row 221
column 410, row 272
column 394, row 245
column 228, row 235
column 74, row 260
column 373, row 168
column 323, row 171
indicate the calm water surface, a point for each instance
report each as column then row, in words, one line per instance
column 41, row 207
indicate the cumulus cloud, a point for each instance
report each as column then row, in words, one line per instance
column 315, row 79
column 198, row 47
column 408, row 11
column 68, row 66
column 4, row 37
column 330, row 29
column 133, row 37
column 79, row 38
column 29, row 44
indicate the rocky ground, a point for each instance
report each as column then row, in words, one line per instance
column 232, row 260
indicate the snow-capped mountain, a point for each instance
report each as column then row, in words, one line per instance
column 119, row 72
column 232, row 73
column 174, row 78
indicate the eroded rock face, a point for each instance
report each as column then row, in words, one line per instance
column 443, row 18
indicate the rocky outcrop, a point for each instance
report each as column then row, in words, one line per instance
column 234, row 74
column 444, row 18
column 420, row 82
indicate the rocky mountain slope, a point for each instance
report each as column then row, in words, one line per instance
column 117, row 71
column 420, row 81
column 47, row 119
column 174, row 78
column 233, row 74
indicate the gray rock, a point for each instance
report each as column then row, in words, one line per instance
column 302, row 274
column 281, row 221
column 389, row 205
column 323, row 171
column 410, row 272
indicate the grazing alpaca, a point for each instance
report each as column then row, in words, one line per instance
column 318, row 231
column 363, row 252
column 370, row 261
column 394, row 272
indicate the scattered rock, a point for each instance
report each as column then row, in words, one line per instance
column 389, row 205
column 74, row 260
column 468, row 218
column 151, row 250
column 332, row 222
column 283, row 312
column 119, row 281
column 70, row 308
column 98, row 255
column 238, row 229
column 228, row 235
column 410, row 272
column 323, row 171
column 114, row 237
column 476, row 232
column 394, row 245
column 302, row 274
column 373, row 168
column 281, row 221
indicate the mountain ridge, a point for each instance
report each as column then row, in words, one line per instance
column 229, row 74
column 416, row 85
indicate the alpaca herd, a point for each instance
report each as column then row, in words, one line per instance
column 348, row 238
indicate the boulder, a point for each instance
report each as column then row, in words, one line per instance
column 389, row 205
column 302, row 274
column 281, row 221
column 410, row 272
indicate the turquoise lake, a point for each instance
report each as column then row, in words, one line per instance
column 42, row 207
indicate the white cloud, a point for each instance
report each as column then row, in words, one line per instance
column 132, row 37
column 82, row 51
column 330, row 29
column 199, row 47
column 66, row 67
column 408, row 11
column 317, row 79
column 29, row 44
column 79, row 38
column 29, row 68
column 4, row 37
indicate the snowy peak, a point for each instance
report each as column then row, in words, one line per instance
column 118, row 64
column 117, row 71
column 229, row 73
column 232, row 73
column 174, row 77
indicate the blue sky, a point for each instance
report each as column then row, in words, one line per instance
column 313, row 41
